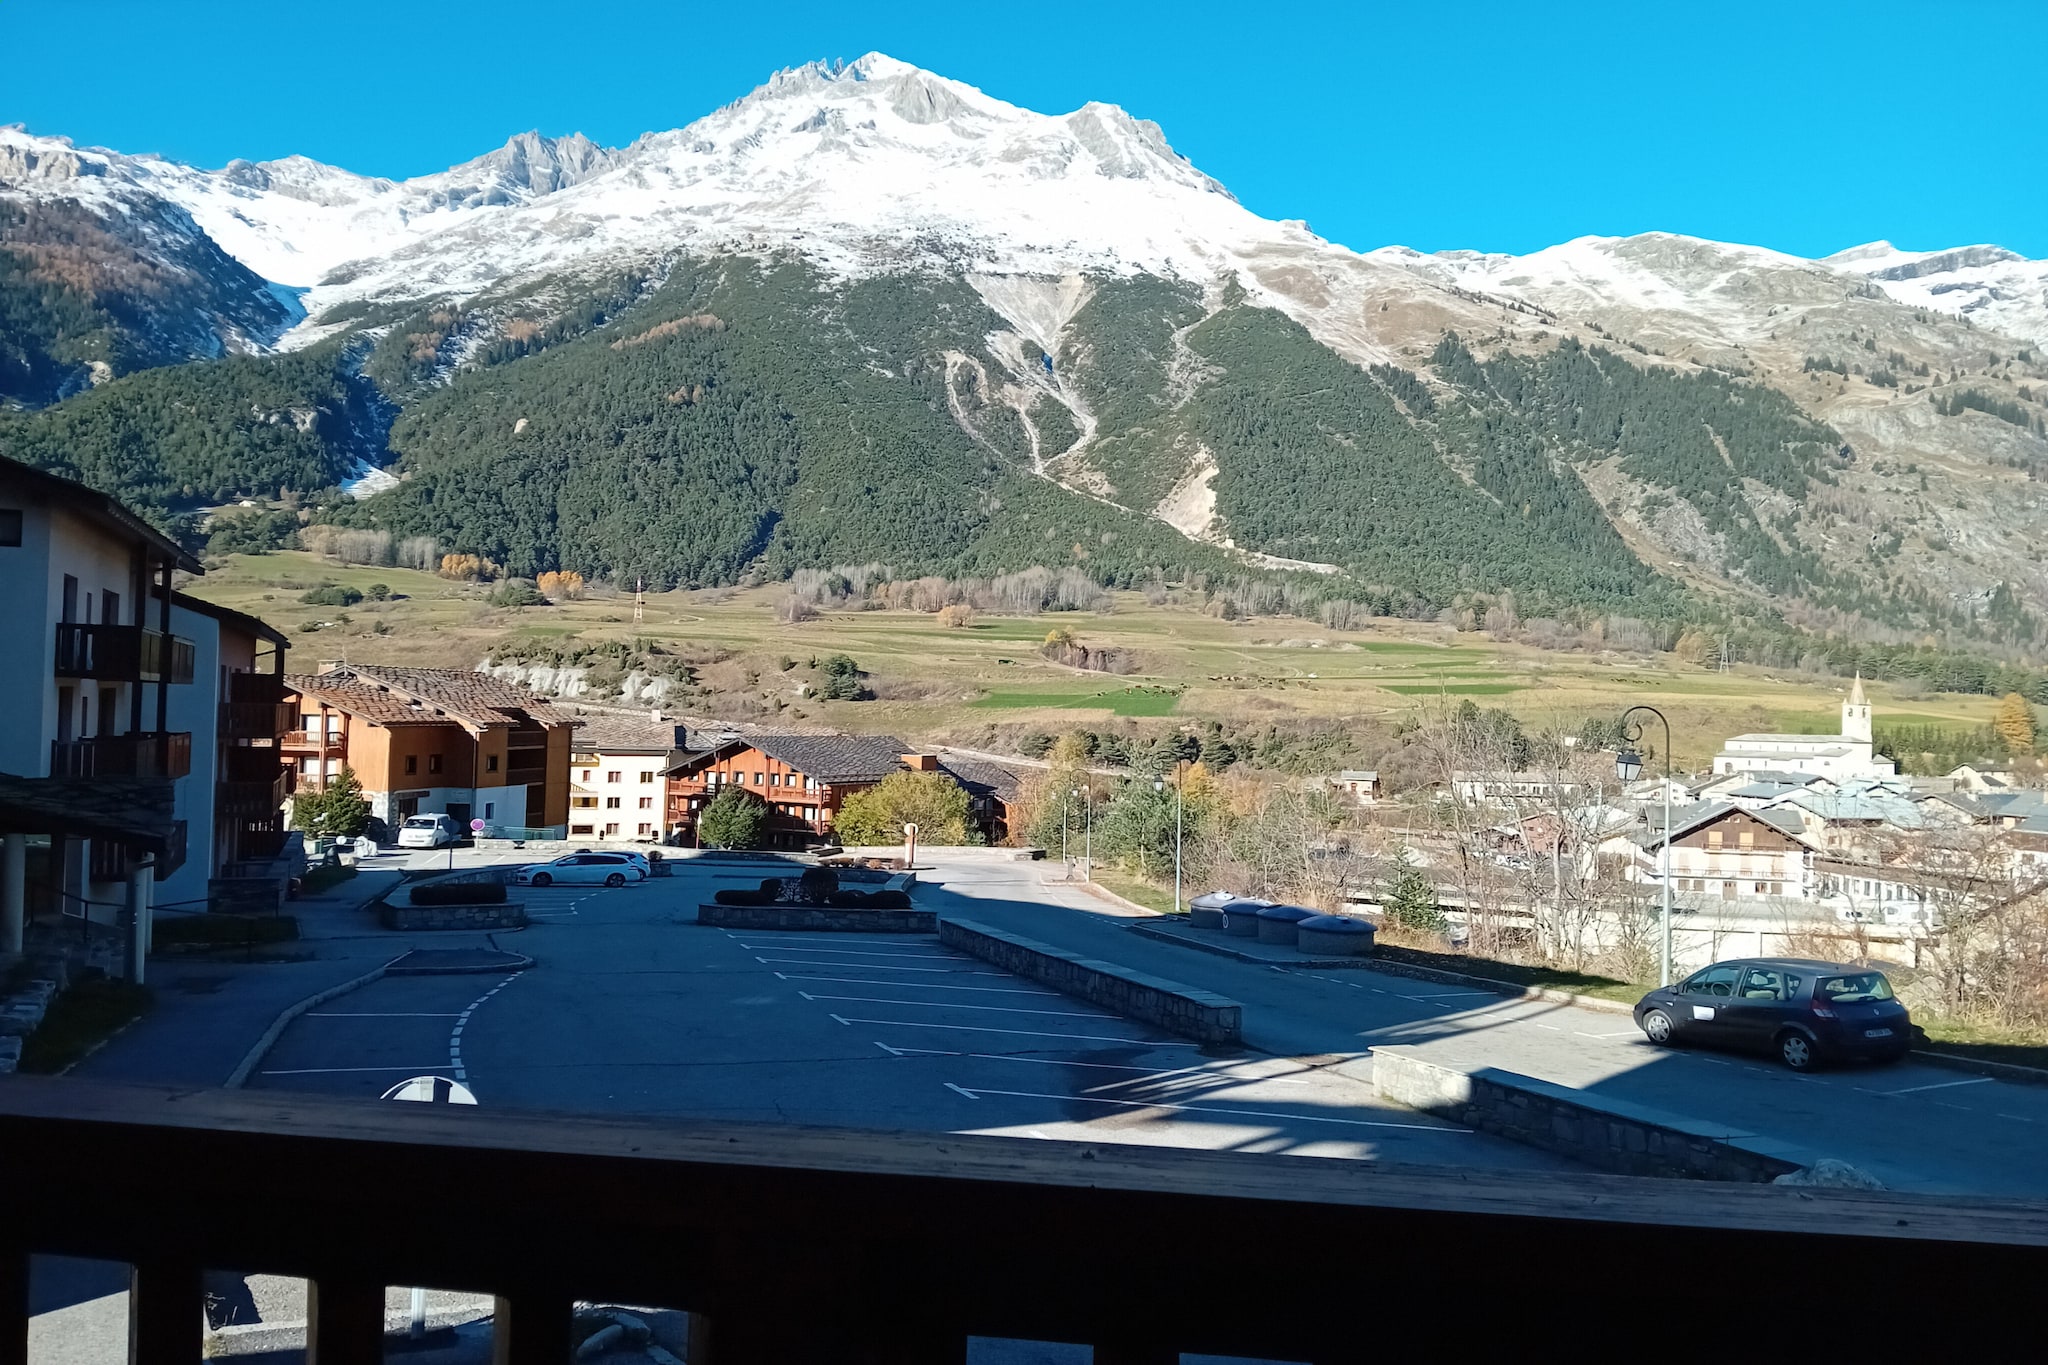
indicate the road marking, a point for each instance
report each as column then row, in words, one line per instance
column 824, row 944
column 922, row 985
column 855, row 952
column 872, row 967
column 368, row 1014
column 958, row 1091
column 1212, row 1109
column 1092, row 1066
column 335, row 1070
column 462, row 1022
column 954, row 1005
column 1620, row 1033
column 1446, row 995
column 843, row 1019
column 1552, row 1027
column 2016, row 1118
column 1016, row 1032
column 1939, row 1085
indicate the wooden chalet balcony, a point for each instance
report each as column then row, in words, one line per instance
column 141, row 753
column 256, row 709
column 820, row 1245
column 111, row 862
column 133, row 654
column 250, row 790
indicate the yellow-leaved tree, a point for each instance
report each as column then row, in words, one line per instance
column 932, row 801
column 2014, row 722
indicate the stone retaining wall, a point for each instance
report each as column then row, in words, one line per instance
column 1614, row 1135
column 505, row 915
column 1185, row 1010
column 835, row 919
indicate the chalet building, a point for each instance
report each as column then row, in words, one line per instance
column 618, row 776
column 96, row 765
column 425, row 741
column 1362, row 785
column 1725, row 851
column 1506, row 788
column 806, row 778
column 240, row 779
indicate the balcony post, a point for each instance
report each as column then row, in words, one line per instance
column 166, row 1313
column 13, row 1307
column 138, row 917
column 13, row 894
column 345, row 1323
column 530, row 1328
column 163, row 674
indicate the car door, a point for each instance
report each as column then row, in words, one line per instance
column 1751, row 1016
column 571, row 869
column 1702, row 998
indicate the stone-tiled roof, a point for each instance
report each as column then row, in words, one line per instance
column 426, row 696
column 1785, row 822
column 616, row 734
column 131, row 811
column 835, row 758
column 981, row 777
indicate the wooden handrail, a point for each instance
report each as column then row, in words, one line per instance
column 812, row 1244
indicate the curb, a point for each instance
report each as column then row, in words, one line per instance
column 239, row 1077
column 1314, row 963
column 392, row 968
column 1508, row 988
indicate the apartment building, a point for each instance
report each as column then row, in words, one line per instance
column 618, row 776
column 1725, row 851
column 803, row 778
column 92, row 755
column 425, row 741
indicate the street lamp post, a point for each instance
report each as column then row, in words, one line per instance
column 1087, row 795
column 1627, row 765
column 1066, row 871
column 1159, row 785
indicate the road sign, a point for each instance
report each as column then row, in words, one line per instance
column 477, row 826
column 431, row 1090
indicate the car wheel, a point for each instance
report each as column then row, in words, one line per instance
column 615, row 879
column 1797, row 1051
column 542, row 879
column 1659, row 1029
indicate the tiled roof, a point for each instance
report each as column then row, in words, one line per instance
column 835, row 758
column 1681, row 825
column 979, row 776
column 387, row 696
column 626, row 734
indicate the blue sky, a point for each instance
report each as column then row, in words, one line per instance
column 1805, row 127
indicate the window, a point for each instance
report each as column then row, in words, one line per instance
column 775, row 779
column 589, row 773
column 611, row 829
column 412, row 764
column 10, row 526
column 1760, row 983
column 1713, row 838
column 648, row 777
column 433, row 763
column 611, row 803
column 1762, row 888
column 614, row 776
column 490, row 763
column 579, row 829
column 1712, row 981
column 70, row 603
column 490, row 809
column 583, row 802
column 757, row 779
column 1747, row 839
column 645, row 828
column 110, row 608
column 646, row 803
column 810, row 784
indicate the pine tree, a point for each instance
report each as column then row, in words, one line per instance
column 341, row 811
column 2014, row 722
column 1408, row 899
column 733, row 819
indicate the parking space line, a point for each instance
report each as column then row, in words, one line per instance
column 921, row 985
column 1015, row 1032
column 821, row 942
column 1212, row 1109
column 369, row 1014
column 1445, row 995
column 855, row 952
column 955, row 1005
column 872, row 967
column 335, row 1070
column 1939, row 1085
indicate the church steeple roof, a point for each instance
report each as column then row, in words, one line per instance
column 1856, row 691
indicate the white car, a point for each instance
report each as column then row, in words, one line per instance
column 601, row 869
column 429, row 831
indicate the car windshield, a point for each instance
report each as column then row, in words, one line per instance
column 1860, row 988
column 420, row 822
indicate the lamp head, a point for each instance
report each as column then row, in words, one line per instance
column 1628, row 765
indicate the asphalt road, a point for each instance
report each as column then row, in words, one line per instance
column 634, row 1008
column 1912, row 1125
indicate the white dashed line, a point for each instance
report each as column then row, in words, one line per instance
column 1939, row 1085
column 871, row 967
column 1016, row 1032
column 1213, row 1109
column 922, row 985
column 955, row 1005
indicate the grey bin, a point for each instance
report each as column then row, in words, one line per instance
column 1206, row 911
column 1277, row 924
column 1241, row 918
column 1334, row 936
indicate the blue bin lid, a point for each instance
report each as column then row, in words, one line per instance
column 1293, row 914
column 1213, row 900
column 1245, row 905
column 1338, row 924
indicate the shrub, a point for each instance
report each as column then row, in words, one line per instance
column 457, row 893
column 959, row 616
column 331, row 595
column 517, row 592
column 733, row 819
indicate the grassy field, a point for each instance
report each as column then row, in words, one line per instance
column 935, row 682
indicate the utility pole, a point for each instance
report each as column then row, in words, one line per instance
column 1627, row 764
column 639, row 600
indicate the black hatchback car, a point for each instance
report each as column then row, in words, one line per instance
column 1802, row 1012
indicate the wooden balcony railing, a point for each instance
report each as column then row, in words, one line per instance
column 800, row 1245
column 140, row 753
column 112, row 862
column 123, row 654
column 252, row 798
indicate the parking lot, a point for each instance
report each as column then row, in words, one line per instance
column 634, row 1008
